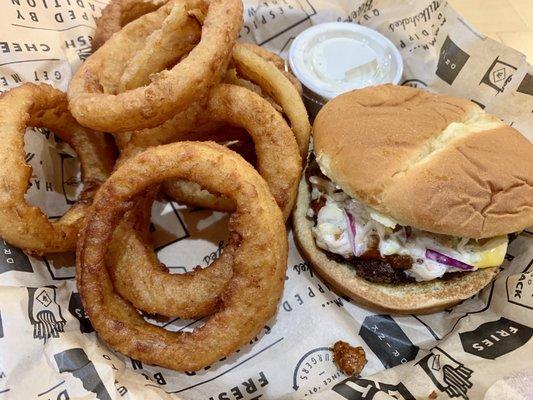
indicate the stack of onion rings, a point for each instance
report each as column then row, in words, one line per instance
column 278, row 162
column 253, row 63
column 166, row 72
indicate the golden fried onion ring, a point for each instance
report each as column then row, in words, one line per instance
column 118, row 13
column 131, row 256
column 272, row 81
column 92, row 91
column 177, row 36
column 274, row 59
column 21, row 224
column 257, row 232
column 137, row 273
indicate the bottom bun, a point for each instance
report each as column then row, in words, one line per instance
column 406, row 298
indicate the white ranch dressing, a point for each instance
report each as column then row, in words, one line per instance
column 333, row 58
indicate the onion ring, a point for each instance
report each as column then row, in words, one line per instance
column 269, row 78
column 259, row 262
column 21, row 224
column 177, row 36
column 278, row 62
column 137, row 273
column 118, row 13
column 130, row 256
column 91, row 92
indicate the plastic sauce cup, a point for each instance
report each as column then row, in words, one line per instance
column 336, row 57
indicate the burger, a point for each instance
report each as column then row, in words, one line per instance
column 409, row 197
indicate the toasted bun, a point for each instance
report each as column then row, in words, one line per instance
column 433, row 162
column 420, row 298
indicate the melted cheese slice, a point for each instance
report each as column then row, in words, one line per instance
column 492, row 257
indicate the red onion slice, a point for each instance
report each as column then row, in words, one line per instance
column 444, row 259
column 352, row 230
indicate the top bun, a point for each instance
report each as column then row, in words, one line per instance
column 429, row 161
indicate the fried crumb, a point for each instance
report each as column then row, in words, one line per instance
column 433, row 395
column 350, row 360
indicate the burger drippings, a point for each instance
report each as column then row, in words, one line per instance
column 380, row 249
column 349, row 359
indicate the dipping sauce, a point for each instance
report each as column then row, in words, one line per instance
column 333, row 58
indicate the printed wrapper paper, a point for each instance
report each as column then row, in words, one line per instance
column 482, row 348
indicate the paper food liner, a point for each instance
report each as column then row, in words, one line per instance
column 480, row 348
